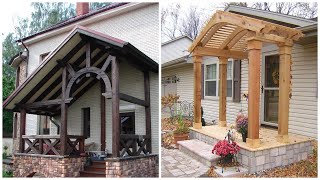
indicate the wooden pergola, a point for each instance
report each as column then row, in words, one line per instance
column 83, row 59
column 229, row 35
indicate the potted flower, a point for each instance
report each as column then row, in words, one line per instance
column 226, row 150
column 242, row 126
column 182, row 131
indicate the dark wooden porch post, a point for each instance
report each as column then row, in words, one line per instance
column 147, row 109
column 64, row 111
column 23, row 115
column 103, row 117
column 115, row 108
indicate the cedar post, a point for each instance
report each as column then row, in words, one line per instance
column 197, row 91
column 223, row 61
column 64, row 111
column 103, row 117
column 284, row 92
column 115, row 108
column 254, row 54
column 23, row 115
column 147, row 109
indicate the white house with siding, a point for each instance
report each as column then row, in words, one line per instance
column 303, row 103
column 136, row 23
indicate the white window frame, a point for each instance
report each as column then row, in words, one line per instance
column 216, row 61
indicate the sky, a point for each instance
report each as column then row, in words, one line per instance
column 9, row 13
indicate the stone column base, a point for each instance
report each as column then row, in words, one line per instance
column 253, row 143
column 283, row 138
column 223, row 123
column 197, row 125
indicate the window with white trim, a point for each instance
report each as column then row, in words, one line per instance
column 211, row 80
column 211, row 85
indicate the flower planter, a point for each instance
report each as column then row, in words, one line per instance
column 180, row 137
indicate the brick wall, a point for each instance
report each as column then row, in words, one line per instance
column 49, row 166
column 142, row 166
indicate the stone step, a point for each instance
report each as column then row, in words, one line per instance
column 92, row 174
column 230, row 171
column 199, row 150
column 95, row 168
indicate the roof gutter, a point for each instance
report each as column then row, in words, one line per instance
column 27, row 58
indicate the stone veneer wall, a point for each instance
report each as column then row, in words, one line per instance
column 140, row 166
column 49, row 166
column 260, row 160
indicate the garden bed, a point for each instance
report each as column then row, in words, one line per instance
column 167, row 127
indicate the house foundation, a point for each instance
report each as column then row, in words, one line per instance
column 49, row 166
column 270, row 154
column 134, row 166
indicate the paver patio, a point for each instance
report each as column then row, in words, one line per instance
column 177, row 164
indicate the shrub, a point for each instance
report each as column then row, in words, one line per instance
column 182, row 127
column 7, row 173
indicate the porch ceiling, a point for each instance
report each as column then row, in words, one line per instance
column 229, row 32
column 44, row 84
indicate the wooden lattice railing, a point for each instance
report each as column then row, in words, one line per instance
column 50, row 144
column 133, row 145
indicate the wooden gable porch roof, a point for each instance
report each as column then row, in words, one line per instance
column 227, row 34
column 44, row 84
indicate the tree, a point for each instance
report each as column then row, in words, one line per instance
column 10, row 48
column 191, row 23
column 173, row 13
column 47, row 14
column 97, row 5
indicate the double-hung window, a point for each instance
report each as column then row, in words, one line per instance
column 211, row 79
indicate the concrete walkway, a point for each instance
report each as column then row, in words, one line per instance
column 175, row 163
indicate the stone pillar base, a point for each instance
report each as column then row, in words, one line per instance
column 223, row 123
column 253, row 143
column 283, row 138
column 197, row 125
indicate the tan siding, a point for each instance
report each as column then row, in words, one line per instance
column 303, row 104
column 185, row 84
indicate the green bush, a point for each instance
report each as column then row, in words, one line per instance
column 7, row 174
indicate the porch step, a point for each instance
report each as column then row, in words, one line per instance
column 199, row 151
column 96, row 169
column 231, row 171
column 92, row 174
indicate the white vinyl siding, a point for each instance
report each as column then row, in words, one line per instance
column 185, row 83
column 175, row 50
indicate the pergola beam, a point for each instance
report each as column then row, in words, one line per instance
column 204, row 51
column 45, row 103
column 234, row 36
column 211, row 32
column 132, row 99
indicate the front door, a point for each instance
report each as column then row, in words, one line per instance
column 270, row 90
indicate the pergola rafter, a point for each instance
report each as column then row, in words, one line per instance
column 229, row 35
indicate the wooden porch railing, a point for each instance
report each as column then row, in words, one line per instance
column 133, row 144
column 50, row 144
